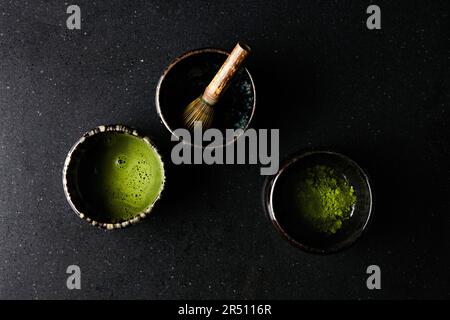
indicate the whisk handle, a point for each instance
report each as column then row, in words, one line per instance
column 223, row 77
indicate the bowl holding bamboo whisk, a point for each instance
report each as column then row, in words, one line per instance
column 186, row 78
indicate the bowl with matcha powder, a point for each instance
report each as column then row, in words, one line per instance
column 113, row 176
column 320, row 201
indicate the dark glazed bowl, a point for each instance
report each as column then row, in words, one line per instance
column 76, row 192
column 278, row 198
column 185, row 80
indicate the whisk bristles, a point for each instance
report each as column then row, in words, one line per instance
column 198, row 111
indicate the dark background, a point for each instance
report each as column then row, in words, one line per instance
column 381, row 97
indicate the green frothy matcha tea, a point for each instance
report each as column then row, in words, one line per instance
column 120, row 175
column 325, row 199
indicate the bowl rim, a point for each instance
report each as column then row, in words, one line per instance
column 97, row 130
column 182, row 57
column 268, row 191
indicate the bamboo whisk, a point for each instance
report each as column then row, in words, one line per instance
column 202, row 108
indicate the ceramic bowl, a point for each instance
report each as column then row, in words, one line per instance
column 83, row 173
column 186, row 78
column 279, row 202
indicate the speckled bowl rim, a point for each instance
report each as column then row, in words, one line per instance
column 267, row 197
column 172, row 65
column 87, row 135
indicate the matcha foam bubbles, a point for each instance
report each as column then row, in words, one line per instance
column 119, row 176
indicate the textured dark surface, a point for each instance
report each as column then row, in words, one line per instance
column 381, row 97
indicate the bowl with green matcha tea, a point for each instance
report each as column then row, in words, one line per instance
column 321, row 201
column 113, row 176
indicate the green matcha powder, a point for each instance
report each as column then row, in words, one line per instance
column 325, row 199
